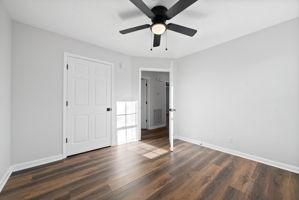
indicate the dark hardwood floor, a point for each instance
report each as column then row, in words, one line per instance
column 154, row 134
column 147, row 170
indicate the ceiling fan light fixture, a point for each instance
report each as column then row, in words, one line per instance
column 158, row 28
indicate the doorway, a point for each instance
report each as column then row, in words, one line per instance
column 155, row 101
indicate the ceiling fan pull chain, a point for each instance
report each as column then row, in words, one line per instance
column 151, row 41
column 166, row 41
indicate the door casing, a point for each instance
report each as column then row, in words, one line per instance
column 65, row 98
column 171, row 102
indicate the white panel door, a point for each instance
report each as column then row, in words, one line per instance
column 143, row 103
column 89, row 95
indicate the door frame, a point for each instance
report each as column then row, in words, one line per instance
column 171, row 99
column 148, row 102
column 65, row 98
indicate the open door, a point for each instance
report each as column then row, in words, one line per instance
column 171, row 111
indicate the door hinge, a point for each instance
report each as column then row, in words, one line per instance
column 67, row 67
column 66, row 140
column 67, row 103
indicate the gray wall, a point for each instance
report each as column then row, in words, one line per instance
column 38, row 87
column 244, row 95
column 5, row 91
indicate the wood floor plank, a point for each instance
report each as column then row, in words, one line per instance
column 233, row 194
column 152, row 180
column 148, row 170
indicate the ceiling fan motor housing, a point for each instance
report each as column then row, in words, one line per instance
column 160, row 14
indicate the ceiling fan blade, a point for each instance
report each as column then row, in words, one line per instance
column 157, row 40
column 137, row 28
column 143, row 7
column 179, row 7
column 181, row 29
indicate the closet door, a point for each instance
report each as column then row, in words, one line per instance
column 89, row 103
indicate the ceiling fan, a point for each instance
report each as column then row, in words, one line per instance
column 159, row 15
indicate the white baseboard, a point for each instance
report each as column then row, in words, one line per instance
column 188, row 140
column 34, row 163
column 159, row 126
column 5, row 178
column 280, row 165
column 26, row 165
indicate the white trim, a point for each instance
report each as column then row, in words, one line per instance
column 112, row 101
column 113, row 125
column 158, row 126
column 5, row 178
column 280, row 165
column 34, row 163
column 64, row 110
column 86, row 58
column 193, row 141
column 153, row 69
column 27, row 165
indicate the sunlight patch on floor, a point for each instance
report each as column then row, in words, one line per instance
column 155, row 153
column 146, row 150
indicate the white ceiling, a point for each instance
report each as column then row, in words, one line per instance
column 98, row 22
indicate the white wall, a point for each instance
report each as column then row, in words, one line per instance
column 5, row 92
column 157, row 95
column 244, row 94
column 38, row 87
